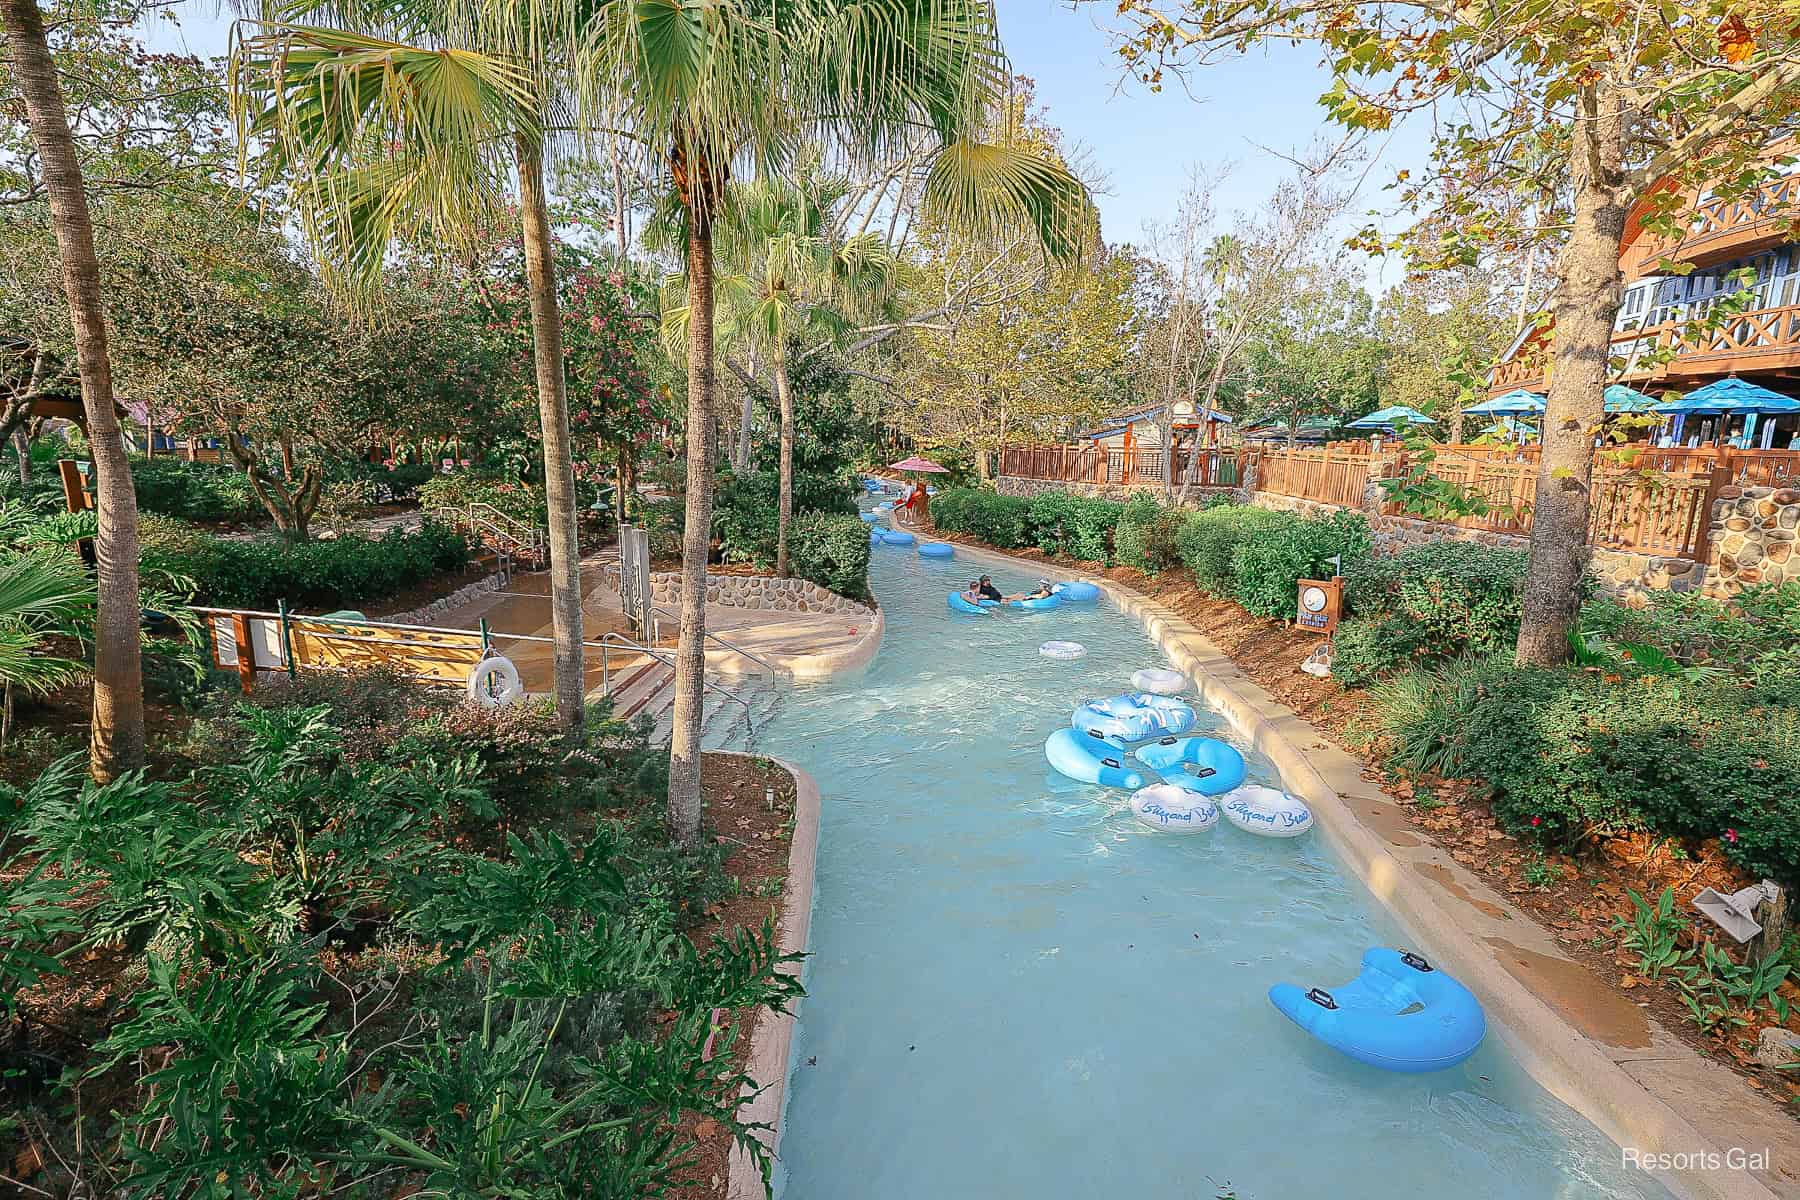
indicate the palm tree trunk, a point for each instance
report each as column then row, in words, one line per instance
column 117, row 728
column 690, row 653
column 553, row 416
column 1587, row 304
column 784, row 397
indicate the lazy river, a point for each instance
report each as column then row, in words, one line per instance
column 1017, row 992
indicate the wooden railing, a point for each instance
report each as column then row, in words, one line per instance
column 1747, row 340
column 1630, row 508
column 1717, row 217
column 1328, row 476
column 1101, row 465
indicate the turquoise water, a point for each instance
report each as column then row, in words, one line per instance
column 1017, row 993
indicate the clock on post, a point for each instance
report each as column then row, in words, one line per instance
column 1320, row 603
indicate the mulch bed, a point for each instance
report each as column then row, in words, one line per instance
column 739, row 810
column 1577, row 897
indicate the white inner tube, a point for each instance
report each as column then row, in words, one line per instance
column 1266, row 812
column 1164, row 806
column 1160, row 680
column 495, row 682
column 1064, row 650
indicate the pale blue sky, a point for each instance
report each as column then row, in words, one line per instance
column 1145, row 143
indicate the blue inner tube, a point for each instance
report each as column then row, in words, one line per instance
column 1038, row 605
column 898, row 537
column 1399, row 1014
column 1197, row 764
column 875, row 538
column 936, row 550
column 1089, row 760
column 870, row 517
column 958, row 603
column 1133, row 717
column 1077, row 592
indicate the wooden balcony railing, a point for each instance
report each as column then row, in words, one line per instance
column 1730, row 217
column 1761, row 338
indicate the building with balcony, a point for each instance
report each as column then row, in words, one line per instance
column 1670, row 337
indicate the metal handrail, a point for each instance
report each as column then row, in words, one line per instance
column 492, row 520
column 533, row 535
column 621, row 640
column 766, row 665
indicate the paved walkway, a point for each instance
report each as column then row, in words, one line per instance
column 796, row 643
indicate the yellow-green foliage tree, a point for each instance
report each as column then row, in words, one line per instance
column 1600, row 106
column 1047, row 351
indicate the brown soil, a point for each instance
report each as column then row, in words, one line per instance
column 1576, row 897
column 739, row 811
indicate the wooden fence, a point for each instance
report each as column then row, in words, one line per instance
column 1101, row 465
column 1650, row 501
column 1328, row 476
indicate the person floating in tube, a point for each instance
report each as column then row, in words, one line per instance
column 1043, row 591
column 985, row 589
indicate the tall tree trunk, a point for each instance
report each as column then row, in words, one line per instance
column 553, row 417
column 1586, row 305
column 784, row 398
column 690, row 652
column 117, row 728
column 741, row 460
column 22, row 447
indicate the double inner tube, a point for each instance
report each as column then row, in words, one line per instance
column 936, row 550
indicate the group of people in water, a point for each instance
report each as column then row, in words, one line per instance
column 984, row 589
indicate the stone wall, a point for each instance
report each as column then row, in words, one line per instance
column 1753, row 534
column 762, row 592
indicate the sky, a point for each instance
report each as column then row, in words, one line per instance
column 1244, row 113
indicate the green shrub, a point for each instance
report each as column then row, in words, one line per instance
column 1698, row 630
column 1568, row 753
column 193, row 491
column 1146, row 536
column 346, row 572
column 992, row 518
column 747, row 510
column 1435, row 601
column 1208, row 538
column 1266, row 569
column 1365, row 649
column 1073, row 526
column 832, row 550
column 1425, row 714
column 459, row 489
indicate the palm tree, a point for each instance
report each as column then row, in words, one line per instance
column 715, row 86
column 40, row 594
column 116, row 729
column 792, row 276
column 394, row 137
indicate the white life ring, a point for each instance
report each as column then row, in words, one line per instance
column 494, row 682
column 1063, row 650
column 1159, row 680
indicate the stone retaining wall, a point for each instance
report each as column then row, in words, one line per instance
column 424, row 614
column 1753, row 534
column 762, row 592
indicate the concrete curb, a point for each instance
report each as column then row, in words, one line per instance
column 1631, row 1079
column 772, row 1039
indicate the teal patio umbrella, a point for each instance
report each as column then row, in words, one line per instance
column 1512, row 403
column 1621, row 399
column 1723, row 397
column 1387, row 418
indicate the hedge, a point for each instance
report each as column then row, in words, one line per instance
column 1427, row 603
column 346, row 572
column 998, row 520
column 1147, row 536
column 1267, row 568
column 193, row 491
column 832, row 550
column 1208, row 538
